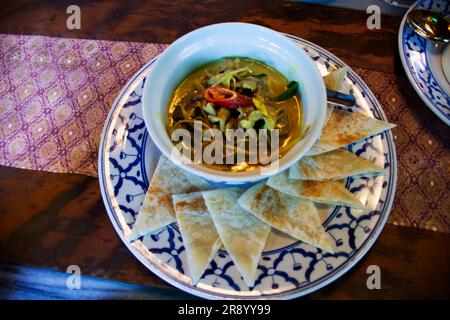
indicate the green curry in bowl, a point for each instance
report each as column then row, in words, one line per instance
column 237, row 93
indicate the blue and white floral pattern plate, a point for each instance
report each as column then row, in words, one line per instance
column 288, row 268
column 417, row 55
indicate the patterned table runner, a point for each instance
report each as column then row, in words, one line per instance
column 55, row 94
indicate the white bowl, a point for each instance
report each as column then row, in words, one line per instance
column 233, row 39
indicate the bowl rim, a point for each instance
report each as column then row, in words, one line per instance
column 242, row 176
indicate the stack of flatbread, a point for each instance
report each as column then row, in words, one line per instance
column 240, row 220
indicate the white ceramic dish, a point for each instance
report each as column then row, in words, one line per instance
column 233, row 39
column 422, row 61
column 445, row 61
column 288, row 268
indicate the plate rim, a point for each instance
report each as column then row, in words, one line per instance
column 409, row 74
column 362, row 251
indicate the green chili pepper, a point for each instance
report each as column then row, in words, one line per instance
column 289, row 92
column 261, row 75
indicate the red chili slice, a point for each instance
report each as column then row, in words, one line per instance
column 226, row 98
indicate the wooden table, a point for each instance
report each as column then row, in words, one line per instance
column 55, row 220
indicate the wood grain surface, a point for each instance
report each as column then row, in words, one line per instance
column 55, row 220
column 344, row 32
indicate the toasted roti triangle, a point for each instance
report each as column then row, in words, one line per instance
column 296, row 217
column 346, row 127
column 330, row 109
column 335, row 79
column 333, row 165
column 157, row 208
column 328, row 192
column 197, row 229
column 242, row 235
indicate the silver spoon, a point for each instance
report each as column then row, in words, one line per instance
column 430, row 25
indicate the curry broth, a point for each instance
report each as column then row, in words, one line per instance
column 194, row 84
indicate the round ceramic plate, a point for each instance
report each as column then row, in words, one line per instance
column 422, row 60
column 288, row 268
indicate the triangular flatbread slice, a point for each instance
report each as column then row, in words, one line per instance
column 335, row 79
column 197, row 229
column 346, row 127
column 242, row 235
column 330, row 109
column 157, row 208
column 328, row 192
column 333, row 165
column 296, row 217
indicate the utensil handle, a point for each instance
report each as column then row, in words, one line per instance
column 340, row 98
